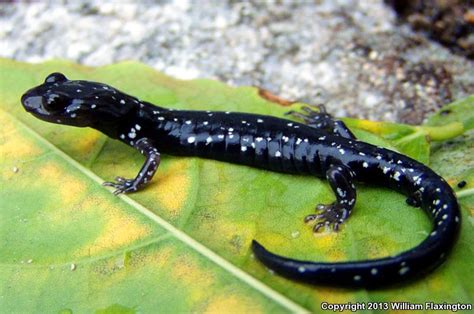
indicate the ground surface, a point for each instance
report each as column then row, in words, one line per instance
column 352, row 55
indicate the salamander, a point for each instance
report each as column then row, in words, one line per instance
column 317, row 146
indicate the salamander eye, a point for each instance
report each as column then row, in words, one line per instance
column 55, row 78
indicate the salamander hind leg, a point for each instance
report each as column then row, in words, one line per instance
column 321, row 120
column 333, row 215
column 146, row 173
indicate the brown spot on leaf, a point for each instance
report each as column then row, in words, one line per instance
column 274, row 98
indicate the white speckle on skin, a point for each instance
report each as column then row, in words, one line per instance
column 132, row 134
column 305, row 140
column 378, row 157
column 433, row 233
column 298, row 141
column 386, row 169
column 205, row 123
column 161, row 118
column 122, row 136
column 243, row 148
column 357, row 278
column 138, row 127
column 105, row 87
column 365, row 165
column 361, row 153
column 277, row 153
column 231, row 135
column 220, row 136
column 259, row 121
column 341, row 192
column 73, row 115
column 445, row 216
column 445, row 206
column 78, row 90
column 227, row 112
column 374, row 271
column 243, row 121
column 93, row 106
column 396, row 176
column 209, row 140
column 436, row 202
column 322, row 138
column 456, row 219
column 191, row 139
column 341, row 151
column 231, row 129
column 96, row 97
column 122, row 101
column 438, row 190
column 301, row 269
column 403, row 270
column 188, row 122
column 285, row 138
column 259, row 139
column 289, row 124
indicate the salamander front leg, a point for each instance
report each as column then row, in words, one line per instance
column 321, row 120
column 332, row 215
column 146, row 173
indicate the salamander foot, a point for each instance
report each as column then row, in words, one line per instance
column 315, row 118
column 319, row 119
column 330, row 215
column 122, row 185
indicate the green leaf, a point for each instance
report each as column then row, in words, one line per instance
column 182, row 244
column 459, row 111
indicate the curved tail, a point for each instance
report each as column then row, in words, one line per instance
column 438, row 200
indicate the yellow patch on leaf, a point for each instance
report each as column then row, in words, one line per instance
column 120, row 229
column 190, row 273
column 12, row 144
column 232, row 304
column 370, row 126
column 88, row 142
column 173, row 188
column 69, row 187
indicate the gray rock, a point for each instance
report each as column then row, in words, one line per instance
column 351, row 55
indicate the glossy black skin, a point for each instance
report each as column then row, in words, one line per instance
column 322, row 147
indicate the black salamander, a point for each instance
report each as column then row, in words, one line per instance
column 320, row 147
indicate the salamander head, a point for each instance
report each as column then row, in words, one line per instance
column 77, row 103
